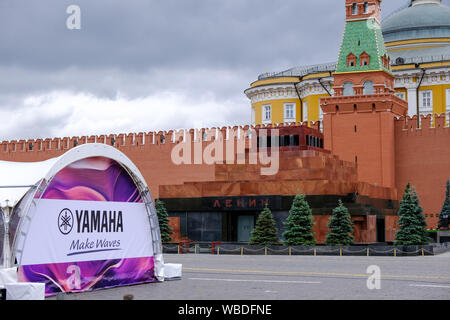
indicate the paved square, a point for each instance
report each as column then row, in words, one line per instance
column 212, row 277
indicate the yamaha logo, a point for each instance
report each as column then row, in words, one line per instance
column 65, row 221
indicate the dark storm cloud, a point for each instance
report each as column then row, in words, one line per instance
column 201, row 50
column 141, row 35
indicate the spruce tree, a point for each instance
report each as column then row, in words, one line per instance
column 445, row 208
column 341, row 227
column 299, row 224
column 265, row 232
column 412, row 222
column 163, row 219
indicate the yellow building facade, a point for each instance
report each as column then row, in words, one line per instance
column 417, row 39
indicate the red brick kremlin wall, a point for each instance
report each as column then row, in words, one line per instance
column 150, row 152
column 422, row 157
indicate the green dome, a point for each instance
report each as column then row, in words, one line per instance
column 422, row 19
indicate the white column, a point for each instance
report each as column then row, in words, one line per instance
column 412, row 102
column 305, row 111
column 447, row 99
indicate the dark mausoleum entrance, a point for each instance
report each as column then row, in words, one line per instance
column 238, row 226
column 232, row 219
column 226, row 219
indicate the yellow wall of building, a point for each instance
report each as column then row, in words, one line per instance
column 277, row 107
column 313, row 106
column 274, row 81
column 439, row 97
column 403, row 90
column 313, row 101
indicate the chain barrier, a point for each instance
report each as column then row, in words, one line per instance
column 384, row 251
column 302, row 251
column 275, row 250
column 291, row 249
column 221, row 249
column 175, row 246
column 254, row 250
column 354, row 251
column 410, row 252
column 328, row 251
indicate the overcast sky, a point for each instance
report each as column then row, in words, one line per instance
column 149, row 65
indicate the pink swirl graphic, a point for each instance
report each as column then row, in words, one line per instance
column 93, row 179
column 90, row 275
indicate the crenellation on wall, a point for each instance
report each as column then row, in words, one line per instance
column 29, row 145
column 129, row 139
column 425, row 122
column 441, row 121
column 4, row 146
column 21, row 146
column 150, row 138
column 65, row 143
column 47, row 144
column 429, row 124
column 160, row 138
column 203, row 136
column 170, row 137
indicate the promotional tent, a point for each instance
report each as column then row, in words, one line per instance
column 82, row 221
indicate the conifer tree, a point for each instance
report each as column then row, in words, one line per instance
column 445, row 208
column 341, row 227
column 299, row 224
column 265, row 232
column 412, row 222
column 163, row 219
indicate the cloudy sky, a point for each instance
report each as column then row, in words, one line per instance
column 149, row 65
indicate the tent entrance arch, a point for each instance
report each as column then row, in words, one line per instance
column 88, row 223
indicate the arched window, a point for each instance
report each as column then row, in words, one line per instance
column 348, row 89
column 364, row 59
column 368, row 87
column 351, row 60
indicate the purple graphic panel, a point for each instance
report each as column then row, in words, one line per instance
column 89, row 275
column 93, row 179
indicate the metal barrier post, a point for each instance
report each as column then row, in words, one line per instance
column 423, row 253
column 290, row 251
column 368, row 251
column 265, row 251
column 218, row 250
column 340, row 252
column 242, row 250
column 395, row 252
column 315, row 252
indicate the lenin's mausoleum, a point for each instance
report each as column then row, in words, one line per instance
column 358, row 130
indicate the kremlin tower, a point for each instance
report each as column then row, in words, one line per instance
column 359, row 119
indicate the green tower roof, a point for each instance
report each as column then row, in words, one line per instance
column 363, row 36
